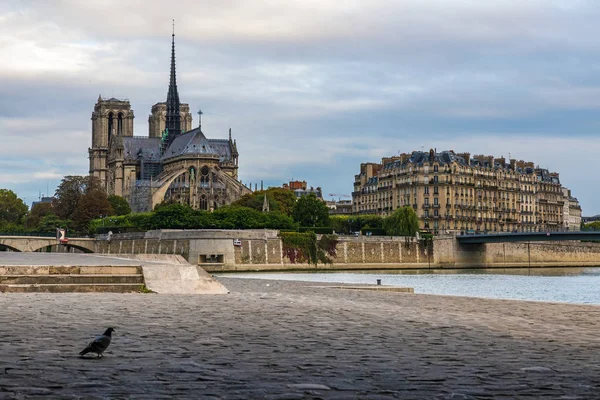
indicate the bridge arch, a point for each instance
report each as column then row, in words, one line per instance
column 11, row 248
column 68, row 247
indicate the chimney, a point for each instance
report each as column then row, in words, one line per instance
column 466, row 156
column 513, row 164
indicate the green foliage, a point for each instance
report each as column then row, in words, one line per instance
column 92, row 204
column 279, row 199
column 591, row 226
column 284, row 198
column 50, row 222
column 304, row 247
column 316, row 229
column 403, row 222
column 67, row 195
column 12, row 208
column 346, row 224
column 38, row 211
column 180, row 216
column 80, row 199
column 144, row 289
column 171, row 216
column 119, row 205
column 327, row 249
column 310, row 211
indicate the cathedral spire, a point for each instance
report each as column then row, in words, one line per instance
column 173, row 118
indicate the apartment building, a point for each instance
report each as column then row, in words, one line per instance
column 456, row 192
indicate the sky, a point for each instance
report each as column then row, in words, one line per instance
column 310, row 88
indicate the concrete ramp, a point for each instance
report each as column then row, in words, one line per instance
column 173, row 274
column 180, row 279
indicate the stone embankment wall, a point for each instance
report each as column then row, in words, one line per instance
column 262, row 250
column 449, row 253
column 352, row 253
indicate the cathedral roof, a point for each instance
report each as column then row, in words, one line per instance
column 135, row 147
column 195, row 143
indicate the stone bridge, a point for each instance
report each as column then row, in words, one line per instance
column 37, row 243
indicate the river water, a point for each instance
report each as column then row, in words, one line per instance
column 570, row 285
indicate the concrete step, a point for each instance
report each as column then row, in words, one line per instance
column 70, row 270
column 72, row 288
column 70, row 279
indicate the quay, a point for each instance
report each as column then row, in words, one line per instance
column 262, row 250
column 286, row 340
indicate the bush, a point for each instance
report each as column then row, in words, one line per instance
column 323, row 230
column 304, row 247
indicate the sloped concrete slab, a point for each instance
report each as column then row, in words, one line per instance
column 173, row 274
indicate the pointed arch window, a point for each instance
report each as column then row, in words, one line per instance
column 110, row 125
column 120, row 124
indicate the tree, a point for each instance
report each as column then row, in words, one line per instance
column 12, row 208
column 119, row 205
column 69, row 192
column 38, row 211
column 50, row 222
column 403, row 222
column 310, row 211
column 92, row 204
column 285, row 199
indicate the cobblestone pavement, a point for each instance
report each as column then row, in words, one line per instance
column 286, row 340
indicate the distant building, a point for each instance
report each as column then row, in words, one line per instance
column 42, row 200
column 454, row 192
column 339, row 207
column 571, row 212
column 300, row 188
column 586, row 220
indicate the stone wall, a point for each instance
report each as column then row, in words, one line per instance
column 262, row 250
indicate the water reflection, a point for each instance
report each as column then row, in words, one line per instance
column 572, row 285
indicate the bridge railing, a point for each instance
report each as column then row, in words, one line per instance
column 41, row 234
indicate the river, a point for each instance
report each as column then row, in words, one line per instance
column 570, row 285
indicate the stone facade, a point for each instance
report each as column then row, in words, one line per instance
column 571, row 212
column 175, row 164
column 456, row 193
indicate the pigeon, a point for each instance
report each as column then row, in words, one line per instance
column 99, row 344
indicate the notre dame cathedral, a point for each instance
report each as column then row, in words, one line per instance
column 174, row 163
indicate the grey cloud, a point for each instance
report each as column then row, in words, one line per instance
column 307, row 86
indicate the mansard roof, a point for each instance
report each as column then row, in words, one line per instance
column 195, row 143
column 136, row 147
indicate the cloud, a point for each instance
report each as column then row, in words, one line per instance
column 311, row 88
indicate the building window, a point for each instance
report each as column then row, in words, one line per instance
column 435, row 168
column 435, row 190
column 426, row 190
column 435, row 179
column 435, row 201
column 426, row 201
column 436, row 213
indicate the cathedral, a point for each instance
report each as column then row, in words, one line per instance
column 175, row 162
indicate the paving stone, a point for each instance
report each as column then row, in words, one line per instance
column 259, row 340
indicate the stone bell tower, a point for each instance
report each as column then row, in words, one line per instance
column 110, row 117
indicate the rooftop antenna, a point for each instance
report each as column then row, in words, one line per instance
column 200, row 119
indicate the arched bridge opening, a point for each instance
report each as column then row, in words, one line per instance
column 4, row 247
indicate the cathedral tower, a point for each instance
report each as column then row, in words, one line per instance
column 110, row 117
column 173, row 117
